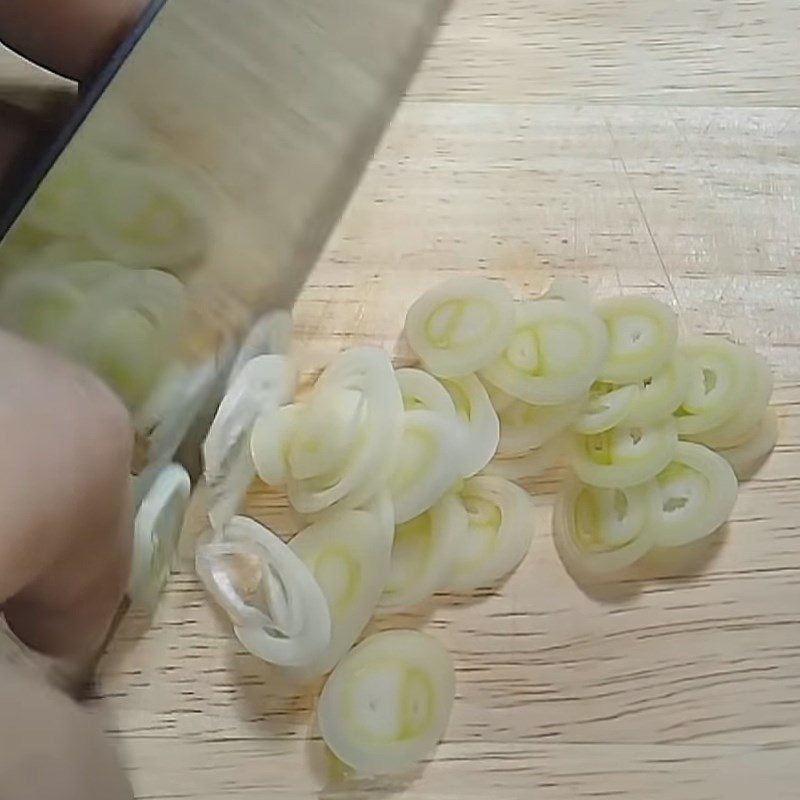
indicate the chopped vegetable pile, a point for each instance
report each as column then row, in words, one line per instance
column 405, row 480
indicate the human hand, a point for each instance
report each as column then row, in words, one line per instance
column 64, row 491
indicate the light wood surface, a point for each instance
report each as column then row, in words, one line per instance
column 650, row 147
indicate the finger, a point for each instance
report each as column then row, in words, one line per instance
column 50, row 747
column 66, row 545
column 68, row 36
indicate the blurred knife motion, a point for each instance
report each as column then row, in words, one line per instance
column 194, row 188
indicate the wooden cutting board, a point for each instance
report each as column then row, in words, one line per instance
column 648, row 147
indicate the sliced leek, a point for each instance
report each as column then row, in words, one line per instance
column 480, row 420
column 324, row 433
column 692, row 497
column 525, row 427
column 608, row 405
column 269, row 443
column 423, row 553
column 461, row 325
column 420, row 390
column 660, row 395
column 278, row 609
column 642, row 334
column 350, row 560
column 500, row 518
column 428, row 461
column 602, row 530
column 380, row 505
column 265, row 382
column 556, row 352
column 388, row 702
column 530, row 464
column 156, row 531
column 748, row 413
column 746, row 457
column 624, row 456
column 718, row 374
column 373, row 421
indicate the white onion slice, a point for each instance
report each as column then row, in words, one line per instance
column 421, row 390
column 525, row 427
column 244, row 583
column 749, row 412
column 427, row 463
column 660, row 395
column 279, row 612
column 423, row 553
column 380, row 505
column 500, row 519
column 530, row 464
column 461, row 325
column 156, row 530
column 624, row 456
column 349, row 558
column 265, row 382
column 602, row 530
column 608, row 405
column 746, row 457
column 324, row 433
column 692, row 497
column 368, row 459
column 269, row 443
column 642, row 334
column 556, row 352
column 388, row 702
column 717, row 383
column 480, row 420
column 572, row 289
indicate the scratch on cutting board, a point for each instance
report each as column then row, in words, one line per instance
column 618, row 155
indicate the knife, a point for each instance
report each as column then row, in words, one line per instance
column 191, row 191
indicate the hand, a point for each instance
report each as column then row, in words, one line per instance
column 65, row 457
column 70, row 37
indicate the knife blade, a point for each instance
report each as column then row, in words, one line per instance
column 194, row 188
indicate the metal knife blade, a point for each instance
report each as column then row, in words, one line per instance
column 219, row 146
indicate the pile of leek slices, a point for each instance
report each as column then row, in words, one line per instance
column 403, row 480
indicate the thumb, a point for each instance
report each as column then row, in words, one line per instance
column 66, row 545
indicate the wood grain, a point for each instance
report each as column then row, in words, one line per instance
column 649, row 147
